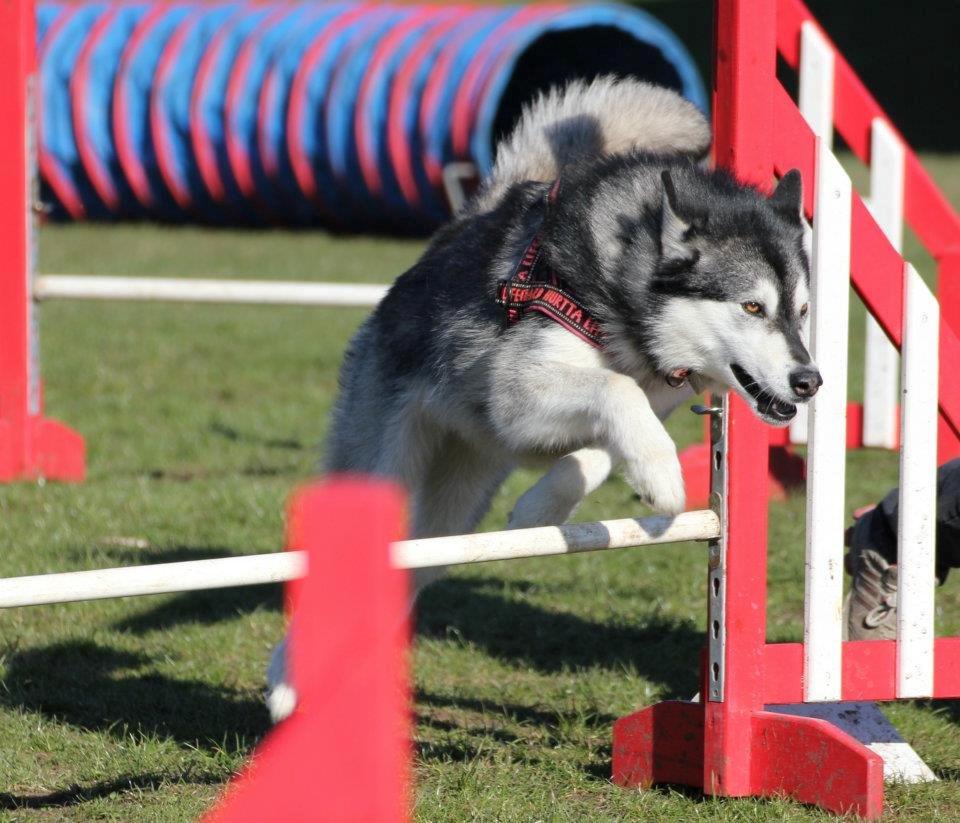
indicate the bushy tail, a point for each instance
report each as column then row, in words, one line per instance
column 586, row 120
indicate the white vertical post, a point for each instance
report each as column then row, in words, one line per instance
column 881, row 364
column 816, row 106
column 918, row 488
column 830, row 307
column 816, row 83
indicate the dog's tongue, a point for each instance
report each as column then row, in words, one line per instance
column 678, row 377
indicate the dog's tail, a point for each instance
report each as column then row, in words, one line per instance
column 586, row 120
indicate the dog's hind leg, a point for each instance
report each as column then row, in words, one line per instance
column 451, row 488
column 555, row 497
column 453, row 496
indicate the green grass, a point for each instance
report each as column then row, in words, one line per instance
column 199, row 421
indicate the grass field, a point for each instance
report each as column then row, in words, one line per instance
column 199, row 422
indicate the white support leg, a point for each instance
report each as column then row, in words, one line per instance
column 816, row 105
column 830, row 304
column 918, row 488
column 882, row 363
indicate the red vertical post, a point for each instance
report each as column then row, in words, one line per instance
column 745, row 71
column 30, row 445
column 948, row 293
column 728, row 743
column 344, row 754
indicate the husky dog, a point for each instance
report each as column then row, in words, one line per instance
column 657, row 278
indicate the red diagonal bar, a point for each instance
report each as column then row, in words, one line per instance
column 927, row 211
column 876, row 269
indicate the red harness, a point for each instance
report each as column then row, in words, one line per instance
column 536, row 287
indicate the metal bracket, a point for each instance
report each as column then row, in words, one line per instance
column 717, row 581
column 460, row 179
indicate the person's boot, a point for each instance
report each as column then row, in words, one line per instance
column 870, row 609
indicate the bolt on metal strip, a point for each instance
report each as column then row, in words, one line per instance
column 717, row 591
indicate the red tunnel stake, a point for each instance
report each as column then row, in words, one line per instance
column 31, row 446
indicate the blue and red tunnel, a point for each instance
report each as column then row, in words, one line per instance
column 343, row 114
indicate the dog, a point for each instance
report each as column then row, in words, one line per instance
column 600, row 277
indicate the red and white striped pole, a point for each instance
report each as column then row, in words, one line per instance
column 31, row 446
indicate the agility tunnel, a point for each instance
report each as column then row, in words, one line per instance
column 341, row 114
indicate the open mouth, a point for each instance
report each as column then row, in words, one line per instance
column 769, row 407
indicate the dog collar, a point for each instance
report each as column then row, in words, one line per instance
column 535, row 287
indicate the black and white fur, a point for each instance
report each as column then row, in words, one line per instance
column 696, row 280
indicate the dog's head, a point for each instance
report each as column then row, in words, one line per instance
column 731, row 289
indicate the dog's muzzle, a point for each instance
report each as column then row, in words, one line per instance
column 768, row 405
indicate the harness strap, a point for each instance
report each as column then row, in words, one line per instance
column 535, row 287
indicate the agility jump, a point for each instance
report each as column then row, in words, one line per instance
column 732, row 746
column 727, row 744
column 833, row 99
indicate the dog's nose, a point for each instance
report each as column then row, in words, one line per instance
column 805, row 382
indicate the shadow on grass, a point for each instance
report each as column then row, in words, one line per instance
column 204, row 608
column 664, row 651
column 476, row 611
column 186, row 474
column 446, row 752
column 77, row 793
column 234, row 435
column 466, row 737
column 949, row 709
column 516, row 712
column 99, row 688
column 199, row 607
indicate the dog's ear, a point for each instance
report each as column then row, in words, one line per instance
column 675, row 249
column 787, row 199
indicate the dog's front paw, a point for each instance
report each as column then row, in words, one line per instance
column 658, row 480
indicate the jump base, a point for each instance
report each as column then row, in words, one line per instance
column 806, row 759
column 42, row 448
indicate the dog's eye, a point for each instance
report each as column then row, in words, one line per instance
column 754, row 308
column 804, row 309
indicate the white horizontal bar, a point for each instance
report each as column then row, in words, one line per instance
column 918, row 488
column 830, row 305
column 546, row 540
column 160, row 578
column 189, row 290
column 882, row 363
column 280, row 566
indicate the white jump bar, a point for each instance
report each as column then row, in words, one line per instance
column 190, row 290
column 194, row 575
